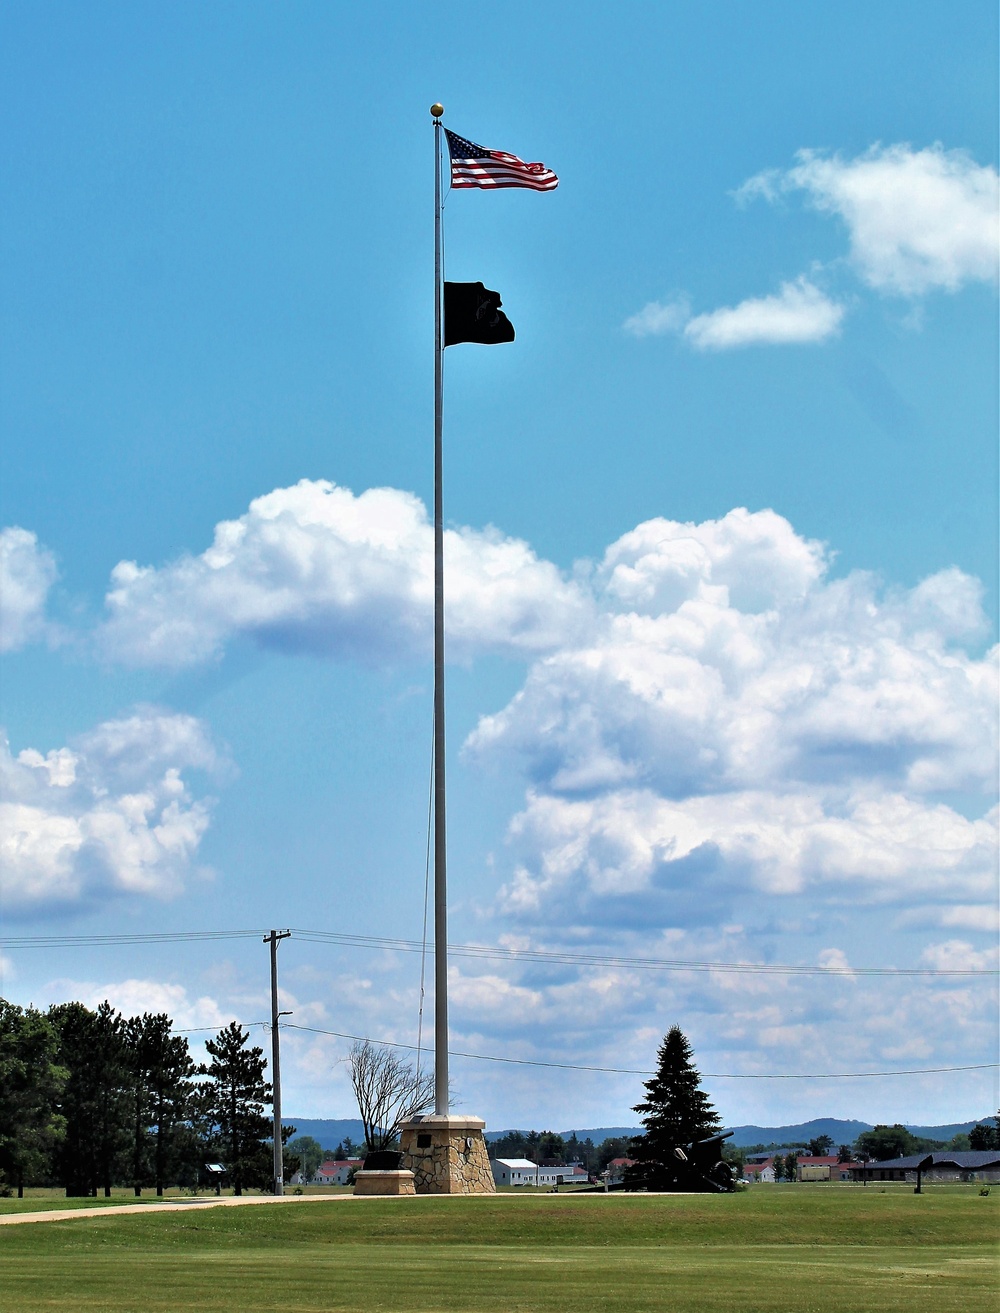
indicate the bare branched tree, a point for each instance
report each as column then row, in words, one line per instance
column 388, row 1090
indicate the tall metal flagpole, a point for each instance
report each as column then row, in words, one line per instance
column 441, row 1101
column 444, row 1153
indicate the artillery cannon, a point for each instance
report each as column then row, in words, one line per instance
column 696, row 1168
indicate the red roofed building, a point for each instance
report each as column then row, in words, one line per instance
column 616, row 1168
column 335, row 1171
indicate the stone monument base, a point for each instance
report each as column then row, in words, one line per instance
column 447, row 1154
column 383, row 1182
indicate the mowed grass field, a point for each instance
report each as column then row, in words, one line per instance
column 799, row 1248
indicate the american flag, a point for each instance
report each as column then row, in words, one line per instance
column 475, row 166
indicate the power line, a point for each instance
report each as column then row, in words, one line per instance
column 568, row 958
column 630, row 1071
column 496, row 953
column 613, row 1071
column 84, row 941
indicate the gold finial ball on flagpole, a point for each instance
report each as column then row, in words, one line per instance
column 437, row 110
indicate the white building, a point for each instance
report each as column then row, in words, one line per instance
column 763, row 1172
column 521, row 1171
column 336, row 1171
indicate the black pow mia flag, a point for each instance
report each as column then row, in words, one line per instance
column 472, row 314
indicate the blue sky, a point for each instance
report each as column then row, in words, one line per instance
column 722, row 569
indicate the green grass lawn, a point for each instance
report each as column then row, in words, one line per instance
column 803, row 1248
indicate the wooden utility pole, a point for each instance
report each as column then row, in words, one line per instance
column 279, row 1161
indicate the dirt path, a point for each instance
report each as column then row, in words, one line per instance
column 230, row 1201
column 178, row 1206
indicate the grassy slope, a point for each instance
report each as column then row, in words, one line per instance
column 768, row 1250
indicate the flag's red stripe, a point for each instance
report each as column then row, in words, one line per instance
column 501, row 167
column 514, row 166
column 496, row 168
column 501, row 171
column 465, row 177
column 494, row 184
column 463, row 172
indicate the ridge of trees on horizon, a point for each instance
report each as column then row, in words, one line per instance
column 549, row 1149
column 92, row 1099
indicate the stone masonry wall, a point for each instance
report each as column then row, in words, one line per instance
column 456, row 1162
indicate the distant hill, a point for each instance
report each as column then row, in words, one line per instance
column 943, row 1132
column 596, row 1134
column 800, row 1133
column 839, row 1131
column 330, row 1131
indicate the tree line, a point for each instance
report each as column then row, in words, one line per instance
column 885, row 1142
column 551, row 1150
column 91, row 1099
column 882, row 1143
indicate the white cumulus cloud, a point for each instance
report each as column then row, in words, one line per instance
column 314, row 567
column 110, row 815
column 707, row 713
column 27, row 573
column 798, row 313
column 136, row 995
column 724, row 658
column 917, row 219
column 958, row 955
column 738, row 720
column 980, row 918
column 634, row 844
column 659, row 317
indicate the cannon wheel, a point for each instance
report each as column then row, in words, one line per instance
column 722, row 1175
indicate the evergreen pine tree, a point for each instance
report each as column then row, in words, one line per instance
column 233, row 1103
column 137, row 1064
column 160, row 1091
column 675, row 1110
column 30, row 1084
column 94, row 1100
